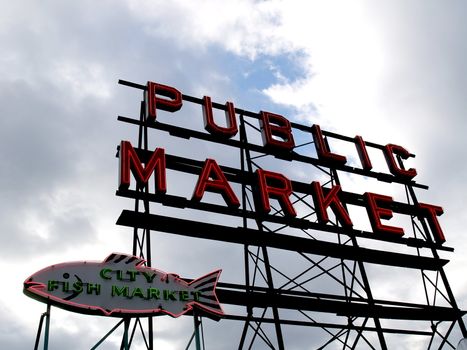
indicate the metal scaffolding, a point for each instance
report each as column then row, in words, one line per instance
column 299, row 273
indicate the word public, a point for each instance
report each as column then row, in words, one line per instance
column 277, row 135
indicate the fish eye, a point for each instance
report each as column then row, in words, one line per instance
column 66, row 275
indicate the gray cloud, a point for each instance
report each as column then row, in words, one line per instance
column 59, row 100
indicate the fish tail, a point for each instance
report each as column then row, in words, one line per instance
column 207, row 298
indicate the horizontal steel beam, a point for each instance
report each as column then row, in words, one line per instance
column 341, row 308
column 254, row 237
column 299, row 223
column 324, row 325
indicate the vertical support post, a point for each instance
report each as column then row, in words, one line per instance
column 267, row 267
column 39, row 331
column 47, row 327
column 363, row 274
column 146, row 231
column 197, row 337
column 142, row 240
column 150, row 331
column 125, row 344
column 245, row 225
column 443, row 275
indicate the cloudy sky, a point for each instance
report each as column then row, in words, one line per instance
column 392, row 71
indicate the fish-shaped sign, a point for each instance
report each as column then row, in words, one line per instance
column 120, row 285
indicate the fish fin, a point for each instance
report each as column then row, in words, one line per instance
column 206, row 285
column 124, row 259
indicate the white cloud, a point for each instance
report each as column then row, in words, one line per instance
column 339, row 51
column 243, row 27
column 343, row 64
column 83, row 79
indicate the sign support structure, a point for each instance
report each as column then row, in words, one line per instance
column 282, row 200
column 277, row 294
column 142, row 238
column 46, row 316
column 246, row 161
column 142, row 248
column 361, row 267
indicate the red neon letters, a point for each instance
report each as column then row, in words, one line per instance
column 389, row 152
column 330, row 200
column 277, row 186
column 376, row 213
column 363, row 153
column 129, row 160
column 215, row 129
column 173, row 104
column 430, row 212
column 323, row 150
column 272, row 185
column 277, row 135
column 218, row 184
column 276, row 131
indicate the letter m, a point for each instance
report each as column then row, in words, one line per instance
column 123, row 291
column 130, row 161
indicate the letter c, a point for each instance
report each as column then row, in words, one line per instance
column 104, row 274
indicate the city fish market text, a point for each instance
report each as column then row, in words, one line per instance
column 79, row 287
column 121, row 285
column 277, row 138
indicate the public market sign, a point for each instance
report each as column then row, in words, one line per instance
column 278, row 139
column 120, row 285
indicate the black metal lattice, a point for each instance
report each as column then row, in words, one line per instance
column 331, row 293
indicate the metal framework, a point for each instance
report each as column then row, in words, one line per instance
column 300, row 274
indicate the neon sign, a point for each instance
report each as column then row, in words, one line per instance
column 278, row 138
column 121, row 285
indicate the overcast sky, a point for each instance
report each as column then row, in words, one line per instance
column 391, row 71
